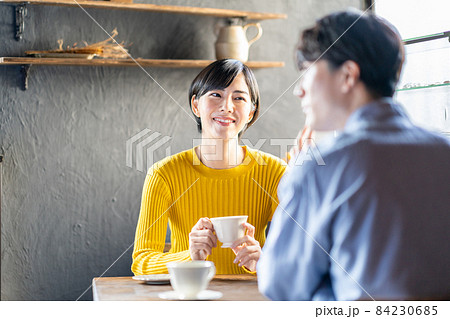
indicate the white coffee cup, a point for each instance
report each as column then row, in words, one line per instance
column 190, row 277
column 229, row 229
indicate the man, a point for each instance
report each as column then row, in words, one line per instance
column 373, row 222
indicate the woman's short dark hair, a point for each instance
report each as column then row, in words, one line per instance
column 370, row 41
column 218, row 76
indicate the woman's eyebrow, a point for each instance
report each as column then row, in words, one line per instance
column 239, row 91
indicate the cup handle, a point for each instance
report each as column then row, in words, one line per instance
column 258, row 35
column 212, row 272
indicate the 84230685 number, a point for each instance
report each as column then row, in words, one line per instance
column 407, row 310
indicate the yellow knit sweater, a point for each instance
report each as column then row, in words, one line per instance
column 180, row 190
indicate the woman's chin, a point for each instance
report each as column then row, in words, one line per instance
column 224, row 134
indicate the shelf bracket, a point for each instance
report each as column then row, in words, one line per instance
column 25, row 70
column 21, row 12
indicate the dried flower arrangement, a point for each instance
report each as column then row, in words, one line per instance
column 108, row 48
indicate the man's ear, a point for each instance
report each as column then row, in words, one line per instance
column 194, row 106
column 350, row 72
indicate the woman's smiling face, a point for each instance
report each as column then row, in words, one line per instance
column 224, row 113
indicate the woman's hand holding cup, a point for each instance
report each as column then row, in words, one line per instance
column 247, row 249
column 202, row 239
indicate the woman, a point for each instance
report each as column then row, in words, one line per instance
column 217, row 178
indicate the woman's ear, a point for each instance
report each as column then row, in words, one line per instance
column 351, row 74
column 194, row 106
column 252, row 112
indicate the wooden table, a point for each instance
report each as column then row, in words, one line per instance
column 233, row 287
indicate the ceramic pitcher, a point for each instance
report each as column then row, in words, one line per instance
column 232, row 42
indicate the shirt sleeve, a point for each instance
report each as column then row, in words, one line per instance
column 148, row 256
column 294, row 262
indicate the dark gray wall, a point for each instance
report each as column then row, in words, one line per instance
column 69, row 202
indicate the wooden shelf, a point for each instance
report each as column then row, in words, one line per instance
column 27, row 62
column 161, row 63
column 223, row 13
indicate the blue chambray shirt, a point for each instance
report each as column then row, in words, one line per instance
column 372, row 223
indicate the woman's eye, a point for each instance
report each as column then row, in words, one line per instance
column 240, row 98
column 215, row 94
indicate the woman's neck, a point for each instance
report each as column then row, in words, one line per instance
column 220, row 154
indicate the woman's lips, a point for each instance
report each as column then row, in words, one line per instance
column 224, row 121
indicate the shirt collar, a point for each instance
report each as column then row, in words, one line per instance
column 376, row 112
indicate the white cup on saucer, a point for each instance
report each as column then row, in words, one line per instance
column 191, row 277
column 229, row 229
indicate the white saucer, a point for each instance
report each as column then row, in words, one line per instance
column 155, row 279
column 202, row 295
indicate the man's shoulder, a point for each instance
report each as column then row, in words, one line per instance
column 411, row 136
column 363, row 150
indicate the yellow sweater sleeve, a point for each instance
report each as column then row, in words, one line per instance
column 148, row 256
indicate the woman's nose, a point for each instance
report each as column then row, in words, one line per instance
column 228, row 105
